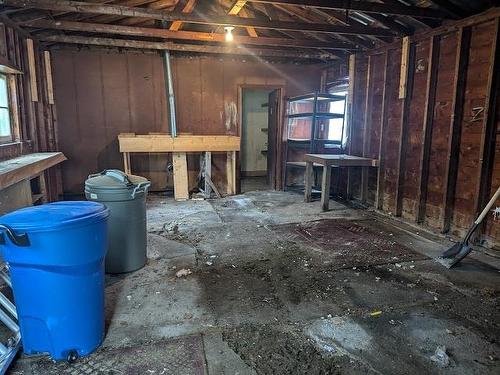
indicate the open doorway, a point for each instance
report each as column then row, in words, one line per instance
column 259, row 124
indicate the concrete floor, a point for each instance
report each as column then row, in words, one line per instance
column 274, row 286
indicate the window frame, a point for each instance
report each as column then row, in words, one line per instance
column 6, row 139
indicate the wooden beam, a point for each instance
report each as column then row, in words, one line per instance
column 349, row 114
column 207, row 19
column 233, row 50
column 430, row 102
column 188, row 8
column 32, row 69
column 461, row 63
column 48, row 77
column 366, row 131
column 182, row 143
column 181, row 35
column 365, row 7
column 379, row 198
column 403, row 135
column 236, row 9
column 403, row 75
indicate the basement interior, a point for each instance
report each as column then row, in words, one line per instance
column 259, row 187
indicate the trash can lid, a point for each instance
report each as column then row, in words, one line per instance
column 113, row 179
column 54, row 215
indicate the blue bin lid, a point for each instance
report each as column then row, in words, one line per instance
column 54, row 215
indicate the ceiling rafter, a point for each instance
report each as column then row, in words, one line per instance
column 73, row 6
column 366, row 7
column 237, row 8
column 179, row 35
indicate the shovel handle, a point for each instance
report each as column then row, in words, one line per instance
column 488, row 207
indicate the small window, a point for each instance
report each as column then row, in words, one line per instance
column 336, row 127
column 5, row 119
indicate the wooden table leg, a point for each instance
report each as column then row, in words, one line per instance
column 208, row 174
column 126, row 163
column 325, row 187
column 308, row 181
column 181, row 184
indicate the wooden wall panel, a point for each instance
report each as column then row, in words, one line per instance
column 126, row 93
column 392, row 131
column 37, row 126
column 470, row 146
column 414, row 148
column 423, row 183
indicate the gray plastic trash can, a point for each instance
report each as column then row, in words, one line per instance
column 125, row 196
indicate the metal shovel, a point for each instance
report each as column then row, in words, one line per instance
column 460, row 250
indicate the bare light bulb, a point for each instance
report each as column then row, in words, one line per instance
column 229, row 33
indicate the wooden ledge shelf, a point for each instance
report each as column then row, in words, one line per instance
column 24, row 167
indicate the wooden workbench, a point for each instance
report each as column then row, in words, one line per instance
column 329, row 161
column 179, row 146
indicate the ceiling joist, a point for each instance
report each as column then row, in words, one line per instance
column 181, row 35
column 203, row 48
column 92, row 8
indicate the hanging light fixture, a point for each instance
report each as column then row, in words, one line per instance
column 229, row 33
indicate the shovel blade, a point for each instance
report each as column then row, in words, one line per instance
column 452, row 251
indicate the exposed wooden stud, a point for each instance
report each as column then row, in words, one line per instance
column 379, row 198
column 124, row 11
column 430, row 102
column 366, row 7
column 306, row 54
column 488, row 135
column 461, row 63
column 403, row 135
column 403, row 76
column 349, row 114
column 181, row 183
column 48, row 77
column 32, row 70
column 366, row 130
column 181, row 35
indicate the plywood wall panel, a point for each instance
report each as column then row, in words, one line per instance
column 414, row 148
column 131, row 98
column 470, row 145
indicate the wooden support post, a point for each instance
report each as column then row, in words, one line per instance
column 181, row 184
column 308, row 181
column 325, row 188
column 350, row 100
column 461, row 62
column 48, row 76
column 366, row 130
column 229, row 173
column 379, row 199
column 126, row 163
column 208, row 174
column 430, row 101
column 32, row 70
column 403, row 135
column 233, row 167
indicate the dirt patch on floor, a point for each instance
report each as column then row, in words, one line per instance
column 349, row 243
column 280, row 351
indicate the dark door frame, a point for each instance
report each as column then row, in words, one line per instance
column 276, row 184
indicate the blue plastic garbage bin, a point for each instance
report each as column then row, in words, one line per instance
column 56, row 257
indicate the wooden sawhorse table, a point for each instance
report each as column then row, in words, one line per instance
column 327, row 161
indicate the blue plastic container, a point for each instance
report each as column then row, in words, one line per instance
column 57, row 272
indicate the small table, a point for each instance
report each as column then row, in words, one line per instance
column 327, row 161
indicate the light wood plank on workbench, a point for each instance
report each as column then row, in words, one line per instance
column 187, row 143
column 27, row 166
